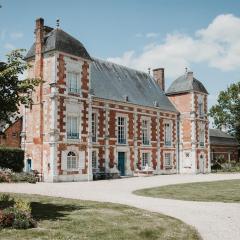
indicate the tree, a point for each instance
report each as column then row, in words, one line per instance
column 14, row 92
column 227, row 110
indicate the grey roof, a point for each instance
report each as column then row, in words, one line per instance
column 221, row 138
column 182, row 85
column 116, row 82
column 59, row 40
column 4, row 125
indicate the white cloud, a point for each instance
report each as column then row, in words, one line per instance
column 16, row 35
column 9, row 46
column 151, row 35
column 217, row 45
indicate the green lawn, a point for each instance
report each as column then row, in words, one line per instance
column 66, row 219
column 219, row 191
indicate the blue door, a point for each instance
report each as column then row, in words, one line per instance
column 121, row 163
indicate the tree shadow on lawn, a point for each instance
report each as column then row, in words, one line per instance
column 49, row 211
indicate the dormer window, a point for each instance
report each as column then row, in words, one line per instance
column 73, row 82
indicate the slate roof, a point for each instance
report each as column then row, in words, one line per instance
column 116, row 82
column 59, row 40
column 182, row 85
column 218, row 137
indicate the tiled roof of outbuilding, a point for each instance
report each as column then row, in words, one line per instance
column 116, row 82
column 183, row 84
column 59, row 40
column 219, row 137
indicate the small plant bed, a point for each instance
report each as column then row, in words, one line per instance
column 216, row 191
column 8, row 176
column 61, row 219
column 15, row 213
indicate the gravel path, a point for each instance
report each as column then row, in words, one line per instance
column 214, row 221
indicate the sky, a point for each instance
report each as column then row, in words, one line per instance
column 202, row 35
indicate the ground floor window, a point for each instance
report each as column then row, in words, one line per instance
column 167, row 159
column 145, row 159
column 71, row 161
column 94, row 160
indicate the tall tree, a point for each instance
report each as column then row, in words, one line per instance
column 14, row 92
column 227, row 110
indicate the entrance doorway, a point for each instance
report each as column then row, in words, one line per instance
column 201, row 163
column 121, row 163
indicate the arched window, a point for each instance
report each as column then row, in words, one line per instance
column 71, row 160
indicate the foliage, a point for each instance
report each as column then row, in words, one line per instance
column 14, row 92
column 12, row 158
column 6, row 175
column 227, row 110
column 15, row 213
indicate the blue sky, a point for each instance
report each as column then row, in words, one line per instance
column 202, row 35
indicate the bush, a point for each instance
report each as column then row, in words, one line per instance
column 23, row 177
column 6, row 175
column 12, row 158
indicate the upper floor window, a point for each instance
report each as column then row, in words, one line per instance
column 73, row 127
column 168, row 134
column 145, row 159
column 145, row 132
column 202, row 138
column 94, row 127
column 94, row 160
column 121, row 130
column 73, row 82
column 167, row 159
column 71, row 161
column 200, row 107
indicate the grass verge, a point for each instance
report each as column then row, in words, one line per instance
column 65, row 219
column 216, row 191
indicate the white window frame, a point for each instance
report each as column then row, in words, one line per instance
column 145, row 131
column 70, row 88
column 168, row 135
column 122, row 130
column 202, row 137
column 171, row 159
column 70, row 160
column 200, row 107
column 94, row 126
column 145, row 161
column 96, row 160
column 70, row 133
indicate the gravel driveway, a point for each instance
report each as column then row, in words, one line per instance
column 214, row 221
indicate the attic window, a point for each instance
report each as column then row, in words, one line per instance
column 155, row 104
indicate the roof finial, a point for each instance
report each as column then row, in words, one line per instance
column 149, row 70
column 58, row 23
column 186, row 69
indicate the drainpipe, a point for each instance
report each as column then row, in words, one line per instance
column 178, row 143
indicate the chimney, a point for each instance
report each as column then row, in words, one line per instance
column 190, row 76
column 158, row 75
column 39, row 35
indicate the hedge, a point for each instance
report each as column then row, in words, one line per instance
column 12, row 158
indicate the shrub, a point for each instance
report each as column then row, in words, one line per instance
column 12, row 158
column 12, row 217
column 23, row 177
column 22, row 205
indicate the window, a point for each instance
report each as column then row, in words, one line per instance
column 73, row 82
column 94, row 160
column 168, row 135
column 145, row 132
column 72, row 127
column 200, row 107
column 145, row 159
column 201, row 138
column 168, row 159
column 122, row 130
column 94, row 127
column 71, row 161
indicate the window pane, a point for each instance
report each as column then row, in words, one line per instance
column 121, row 130
column 168, row 160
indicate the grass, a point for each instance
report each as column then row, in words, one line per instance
column 217, row 191
column 67, row 219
